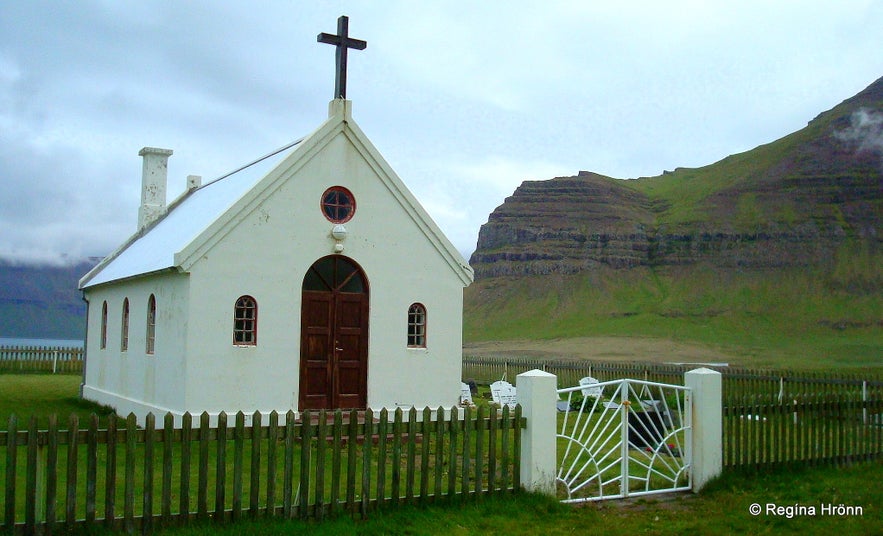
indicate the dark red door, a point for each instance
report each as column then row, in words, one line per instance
column 334, row 336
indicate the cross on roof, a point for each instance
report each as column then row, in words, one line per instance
column 342, row 41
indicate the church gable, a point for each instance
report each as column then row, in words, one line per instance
column 337, row 154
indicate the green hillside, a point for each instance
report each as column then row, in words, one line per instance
column 820, row 151
column 777, row 319
column 773, row 257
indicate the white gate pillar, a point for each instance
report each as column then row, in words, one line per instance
column 536, row 391
column 707, row 445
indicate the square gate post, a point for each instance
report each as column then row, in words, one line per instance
column 707, row 426
column 536, row 391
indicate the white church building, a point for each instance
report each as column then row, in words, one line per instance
column 310, row 279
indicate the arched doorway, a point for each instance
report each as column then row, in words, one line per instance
column 334, row 336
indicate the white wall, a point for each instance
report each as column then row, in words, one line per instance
column 266, row 254
column 132, row 380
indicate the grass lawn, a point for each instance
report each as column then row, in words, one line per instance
column 722, row 509
column 781, row 320
column 42, row 395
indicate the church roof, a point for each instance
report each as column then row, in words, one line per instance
column 153, row 249
column 189, row 221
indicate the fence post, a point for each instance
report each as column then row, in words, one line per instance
column 707, row 428
column 536, row 392
column 865, row 402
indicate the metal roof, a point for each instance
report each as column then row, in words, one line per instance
column 154, row 248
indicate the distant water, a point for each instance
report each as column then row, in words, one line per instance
column 64, row 343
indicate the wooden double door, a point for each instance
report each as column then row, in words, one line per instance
column 334, row 336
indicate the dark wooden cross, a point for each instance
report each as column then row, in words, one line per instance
column 342, row 41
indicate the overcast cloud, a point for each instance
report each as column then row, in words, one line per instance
column 464, row 99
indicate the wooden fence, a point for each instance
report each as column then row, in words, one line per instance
column 770, row 417
column 309, row 466
column 55, row 359
column 737, row 381
column 811, row 430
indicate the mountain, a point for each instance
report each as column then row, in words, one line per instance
column 778, row 247
column 42, row 301
column 795, row 202
column 789, row 231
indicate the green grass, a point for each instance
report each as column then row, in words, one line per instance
column 42, row 395
column 723, row 508
column 777, row 319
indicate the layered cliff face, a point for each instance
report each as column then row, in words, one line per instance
column 806, row 200
column 565, row 225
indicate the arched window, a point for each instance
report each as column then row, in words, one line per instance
column 104, row 325
column 151, row 324
column 245, row 321
column 124, row 327
column 416, row 326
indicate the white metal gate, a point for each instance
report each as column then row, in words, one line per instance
column 623, row 438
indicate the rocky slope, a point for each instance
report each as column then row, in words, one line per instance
column 565, row 225
column 811, row 199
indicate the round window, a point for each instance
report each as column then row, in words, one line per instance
column 338, row 204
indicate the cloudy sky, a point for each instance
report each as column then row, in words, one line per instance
column 465, row 99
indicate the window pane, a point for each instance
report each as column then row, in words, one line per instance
column 338, row 204
column 417, row 326
column 325, row 270
column 334, row 273
column 151, row 324
column 353, row 284
column 313, row 281
column 104, row 325
column 245, row 314
column 124, row 329
column 347, row 278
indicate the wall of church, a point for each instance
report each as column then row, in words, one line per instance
column 403, row 377
column 265, row 251
column 131, row 380
column 223, row 375
column 404, row 267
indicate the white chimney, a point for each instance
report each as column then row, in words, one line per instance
column 153, row 184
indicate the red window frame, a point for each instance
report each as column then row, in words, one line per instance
column 417, row 326
column 245, row 321
column 338, row 204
